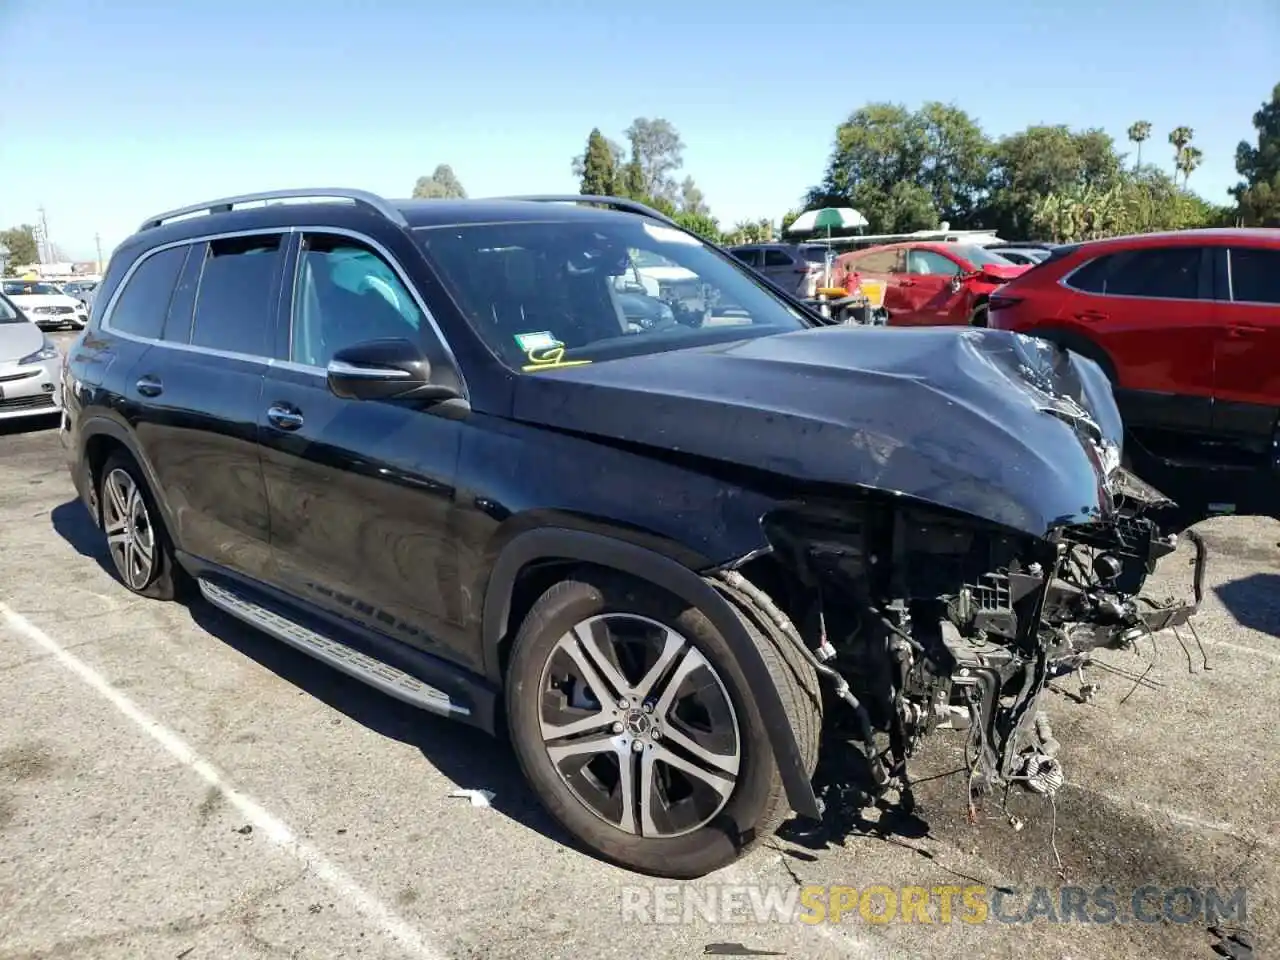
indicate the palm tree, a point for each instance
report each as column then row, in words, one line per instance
column 1188, row 159
column 1139, row 132
column 1179, row 137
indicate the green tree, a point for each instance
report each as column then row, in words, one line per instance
column 1139, row 133
column 1044, row 160
column 1179, row 137
column 443, row 184
column 657, row 152
column 1258, row 194
column 599, row 173
column 703, row 224
column 1188, row 160
column 21, row 243
column 692, row 200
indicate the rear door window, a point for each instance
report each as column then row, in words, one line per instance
column 880, row 261
column 749, row 256
column 141, row 308
column 773, row 257
column 1255, row 275
column 1162, row 273
column 235, row 306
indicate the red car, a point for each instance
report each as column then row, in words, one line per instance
column 931, row 283
column 1187, row 326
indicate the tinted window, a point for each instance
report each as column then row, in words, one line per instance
column 881, row 261
column 773, row 257
column 177, row 327
column 1158, row 272
column 980, row 256
column 545, row 291
column 346, row 294
column 144, row 302
column 814, row 254
column 1255, row 275
column 8, row 313
column 929, row 263
column 237, row 286
column 750, row 256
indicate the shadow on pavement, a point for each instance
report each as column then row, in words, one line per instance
column 33, row 424
column 1254, row 601
column 467, row 756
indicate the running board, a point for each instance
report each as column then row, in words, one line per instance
column 376, row 673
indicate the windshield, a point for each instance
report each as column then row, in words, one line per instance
column 27, row 288
column 8, row 314
column 980, row 256
column 580, row 289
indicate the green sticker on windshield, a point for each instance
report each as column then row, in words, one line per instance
column 543, row 340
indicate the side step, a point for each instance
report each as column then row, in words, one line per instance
column 376, row 673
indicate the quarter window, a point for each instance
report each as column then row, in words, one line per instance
column 346, row 294
column 236, row 295
column 1255, row 275
column 143, row 303
column 776, row 258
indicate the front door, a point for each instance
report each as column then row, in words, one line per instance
column 928, row 286
column 361, row 492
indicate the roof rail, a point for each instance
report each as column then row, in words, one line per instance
column 361, row 198
column 617, row 203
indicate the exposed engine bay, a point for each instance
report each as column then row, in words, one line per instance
column 923, row 619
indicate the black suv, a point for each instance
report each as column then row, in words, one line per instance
column 422, row 442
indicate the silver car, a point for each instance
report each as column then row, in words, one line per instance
column 30, row 367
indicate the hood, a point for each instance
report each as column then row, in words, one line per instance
column 29, row 301
column 18, row 340
column 998, row 425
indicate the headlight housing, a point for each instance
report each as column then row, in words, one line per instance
column 47, row 352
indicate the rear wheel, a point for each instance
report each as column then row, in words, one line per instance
column 979, row 318
column 634, row 724
column 139, row 545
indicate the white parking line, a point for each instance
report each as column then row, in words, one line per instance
column 279, row 833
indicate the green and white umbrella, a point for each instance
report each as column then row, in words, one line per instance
column 828, row 219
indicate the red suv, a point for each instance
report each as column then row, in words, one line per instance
column 930, row 283
column 1187, row 326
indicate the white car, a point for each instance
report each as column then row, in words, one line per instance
column 47, row 306
column 30, row 367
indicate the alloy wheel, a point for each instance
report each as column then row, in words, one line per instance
column 639, row 725
column 130, row 536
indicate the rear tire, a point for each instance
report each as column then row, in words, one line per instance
column 690, row 826
column 979, row 318
column 137, row 540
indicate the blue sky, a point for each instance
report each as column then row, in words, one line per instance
column 116, row 110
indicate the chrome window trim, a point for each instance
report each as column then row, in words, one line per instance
column 272, row 362
column 372, row 373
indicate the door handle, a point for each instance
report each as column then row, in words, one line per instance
column 149, row 386
column 1090, row 316
column 1238, row 331
column 906, row 283
column 284, row 417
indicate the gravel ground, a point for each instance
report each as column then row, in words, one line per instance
column 174, row 785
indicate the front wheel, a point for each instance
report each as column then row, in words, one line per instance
column 634, row 724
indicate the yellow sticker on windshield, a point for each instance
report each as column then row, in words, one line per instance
column 546, row 356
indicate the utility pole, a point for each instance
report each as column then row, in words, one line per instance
column 97, row 242
column 45, row 246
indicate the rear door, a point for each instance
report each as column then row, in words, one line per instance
column 1247, row 361
column 197, row 391
column 1151, row 309
column 361, row 492
column 783, row 267
column 886, row 267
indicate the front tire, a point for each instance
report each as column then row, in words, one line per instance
column 979, row 318
column 137, row 540
column 633, row 722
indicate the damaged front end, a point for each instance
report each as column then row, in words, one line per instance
column 924, row 618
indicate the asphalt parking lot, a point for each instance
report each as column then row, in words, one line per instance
column 174, row 785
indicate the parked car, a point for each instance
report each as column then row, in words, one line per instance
column 82, row 290
column 45, row 304
column 931, row 283
column 796, row 267
column 30, row 379
column 1021, row 251
column 1187, row 327
column 418, row 441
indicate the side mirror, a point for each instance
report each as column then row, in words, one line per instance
column 383, row 370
